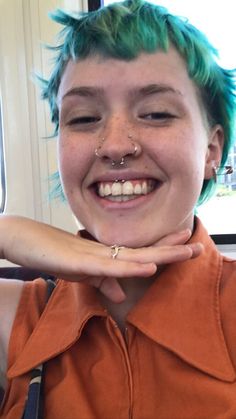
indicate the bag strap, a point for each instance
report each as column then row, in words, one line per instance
column 34, row 402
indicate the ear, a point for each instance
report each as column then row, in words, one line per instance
column 214, row 150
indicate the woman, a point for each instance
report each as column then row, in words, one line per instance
column 142, row 324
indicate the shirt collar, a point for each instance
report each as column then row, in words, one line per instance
column 180, row 312
column 68, row 310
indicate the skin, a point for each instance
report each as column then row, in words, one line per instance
column 33, row 244
column 101, row 103
column 176, row 149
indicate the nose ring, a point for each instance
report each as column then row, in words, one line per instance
column 130, row 136
column 113, row 162
column 96, row 152
column 135, row 149
column 122, row 160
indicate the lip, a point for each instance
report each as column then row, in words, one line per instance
column 123, row 205
column 124, row 174
column 139, row 200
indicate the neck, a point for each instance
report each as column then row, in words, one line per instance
column 134, row 288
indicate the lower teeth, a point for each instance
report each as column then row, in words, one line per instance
column 121, row 198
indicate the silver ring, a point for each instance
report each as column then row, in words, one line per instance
column 97, row 153
column 135, row 149
column 130, row 136
column 122, row 160
column 115, row 250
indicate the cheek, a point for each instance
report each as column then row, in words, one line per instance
column 184, row 164
column 72, row 163
column 187, row 151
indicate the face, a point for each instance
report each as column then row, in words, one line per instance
column 104, row 102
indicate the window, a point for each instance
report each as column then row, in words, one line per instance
column 2, row 168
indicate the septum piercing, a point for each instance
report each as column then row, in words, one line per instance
column 121, row 163
column 114, row 162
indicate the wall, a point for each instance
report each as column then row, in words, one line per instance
column 30, row 159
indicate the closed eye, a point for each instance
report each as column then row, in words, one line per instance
column 157, row 116
column 83, row 120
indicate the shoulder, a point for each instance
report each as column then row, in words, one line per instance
column 228, row 304
column 21, row 304
column 10, row 294
column 228, row 280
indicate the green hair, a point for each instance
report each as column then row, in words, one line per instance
column 124, row 30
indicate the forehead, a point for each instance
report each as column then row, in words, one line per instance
column 164, row 68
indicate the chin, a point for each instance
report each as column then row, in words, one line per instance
column 126, row 238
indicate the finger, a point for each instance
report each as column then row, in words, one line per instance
column 160, row 255
column 169, row 240
column 138, row 263
column 98, row 267
column 111, row 289
column 180, row 237
column 197, row 249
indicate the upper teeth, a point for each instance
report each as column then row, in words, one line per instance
column 125, row 188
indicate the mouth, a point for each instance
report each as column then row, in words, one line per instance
column 125, row 190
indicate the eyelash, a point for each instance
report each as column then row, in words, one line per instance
column 83, row 120
column 152, row 116
column 158, row 115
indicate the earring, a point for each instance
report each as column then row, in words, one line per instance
column 228, row 171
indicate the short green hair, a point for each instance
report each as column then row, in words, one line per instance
column 126, row 29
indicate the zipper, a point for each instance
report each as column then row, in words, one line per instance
column 123, row 341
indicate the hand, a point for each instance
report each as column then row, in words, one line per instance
column 40, row 246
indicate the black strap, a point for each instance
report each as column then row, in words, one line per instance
column 22, row 273
column 34, row 402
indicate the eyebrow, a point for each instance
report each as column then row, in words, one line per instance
column 84, row 91
column 136, row 92
column 152, row 89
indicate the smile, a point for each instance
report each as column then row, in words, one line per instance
column 125, row 190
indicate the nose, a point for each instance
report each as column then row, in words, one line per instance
column 119, row 142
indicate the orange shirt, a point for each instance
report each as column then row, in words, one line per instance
column 177, row 361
